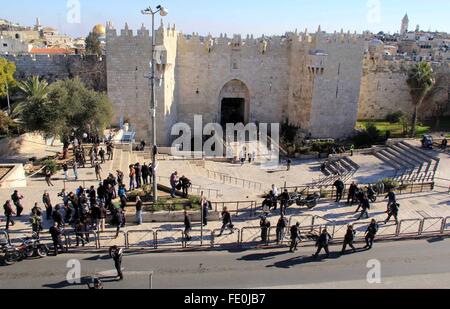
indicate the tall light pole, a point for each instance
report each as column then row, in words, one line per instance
column 163, row 12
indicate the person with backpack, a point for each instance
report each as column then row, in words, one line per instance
column 295, row 237
column 340, row 186
column 349, row 239
column 392, row 199
column 9, row 212
column 393, row 212
column 322, row 243
column 281, row 228
column 226, row 222
column 371, row 232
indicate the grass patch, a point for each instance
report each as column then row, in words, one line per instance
column 395, row 129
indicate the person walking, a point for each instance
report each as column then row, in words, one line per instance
column 48, row 177
column 288, row 164
column 173, row 183
column 392, row 199
column 295, row 237
column 371, row 232
column 116, row 254
column 365, row 205
column 323, row 243
column 98, row 171
column 48, row 205
column 393, row 212
column 226, row 221
column 36, row 224
column 55, row 232
column 339, row 185
column 281, row 228
column 349, row 239
column 81, row 233
column 352, row 194
column 138, row 211
column 187, row 226
column 16, row 197
column 265, row 225
column 9, row 212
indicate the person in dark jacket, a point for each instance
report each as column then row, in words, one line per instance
column 116, row 254
column 352, row 194
column 281, row 228
column 392, row 199
column 284, row 202
column 55, row 232
column 81, row 233
column 57, row 217
column 393, row 212
column 9, row 212
column 16, row 198
column 365, row 205
column 295, row 237
column 48, row 205
column 339, row 184
column 349, row 239
column 371, row 232
column 265, row 225
column 145, row 173
column 138, row 210
column 187, row 226
column 95, row 216
column 226, row 221
column 322, row 243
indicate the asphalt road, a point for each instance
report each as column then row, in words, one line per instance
column 405, row 264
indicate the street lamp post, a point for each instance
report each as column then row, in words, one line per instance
column 163, row 12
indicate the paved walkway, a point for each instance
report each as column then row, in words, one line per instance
column 416, row 206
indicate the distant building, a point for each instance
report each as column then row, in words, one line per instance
column 405, row 25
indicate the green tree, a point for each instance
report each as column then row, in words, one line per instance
column 93, row 45
column 420, row 81
column 7, row 70
column 82, row 110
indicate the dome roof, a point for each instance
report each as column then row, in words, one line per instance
column 376, row 42
column 99, row 29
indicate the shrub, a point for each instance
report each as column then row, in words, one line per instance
column 394, row 117
column 51, row 166
column 289, row 132
column 389, row 184
column 368, row 136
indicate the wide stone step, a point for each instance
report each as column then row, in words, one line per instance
column 384, row 159
column 396, row 160
column 401, row 159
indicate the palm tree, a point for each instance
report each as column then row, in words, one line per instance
column 420, row 81
column 32, row 91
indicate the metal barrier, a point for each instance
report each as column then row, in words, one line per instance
column 198, row 240
column 446, row 225
column 226, row 239
column 302, row 219
column 250, row 235
column 108, row 239
column 285, row 235
column 71, row 239
column 384, row 231
column 431, row 225
column 227, row 179
column 239, row 206
column 409, row 227
column 145, row 239
column 169, row 238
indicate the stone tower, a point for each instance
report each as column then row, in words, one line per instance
column 405, row 25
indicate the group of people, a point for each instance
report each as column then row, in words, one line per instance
column 183, row 183
column 364, row 196
column 140, row 175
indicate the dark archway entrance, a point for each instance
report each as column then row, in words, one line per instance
column 233, row 111
column 234, row 103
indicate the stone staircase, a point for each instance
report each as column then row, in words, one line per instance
column 411, row 163
column 337, row 168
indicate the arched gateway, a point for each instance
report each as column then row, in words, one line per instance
column 234, row 103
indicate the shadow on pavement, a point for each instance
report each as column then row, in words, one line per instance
column 262, row 256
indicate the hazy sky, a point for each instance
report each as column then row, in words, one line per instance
column 234, row 16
